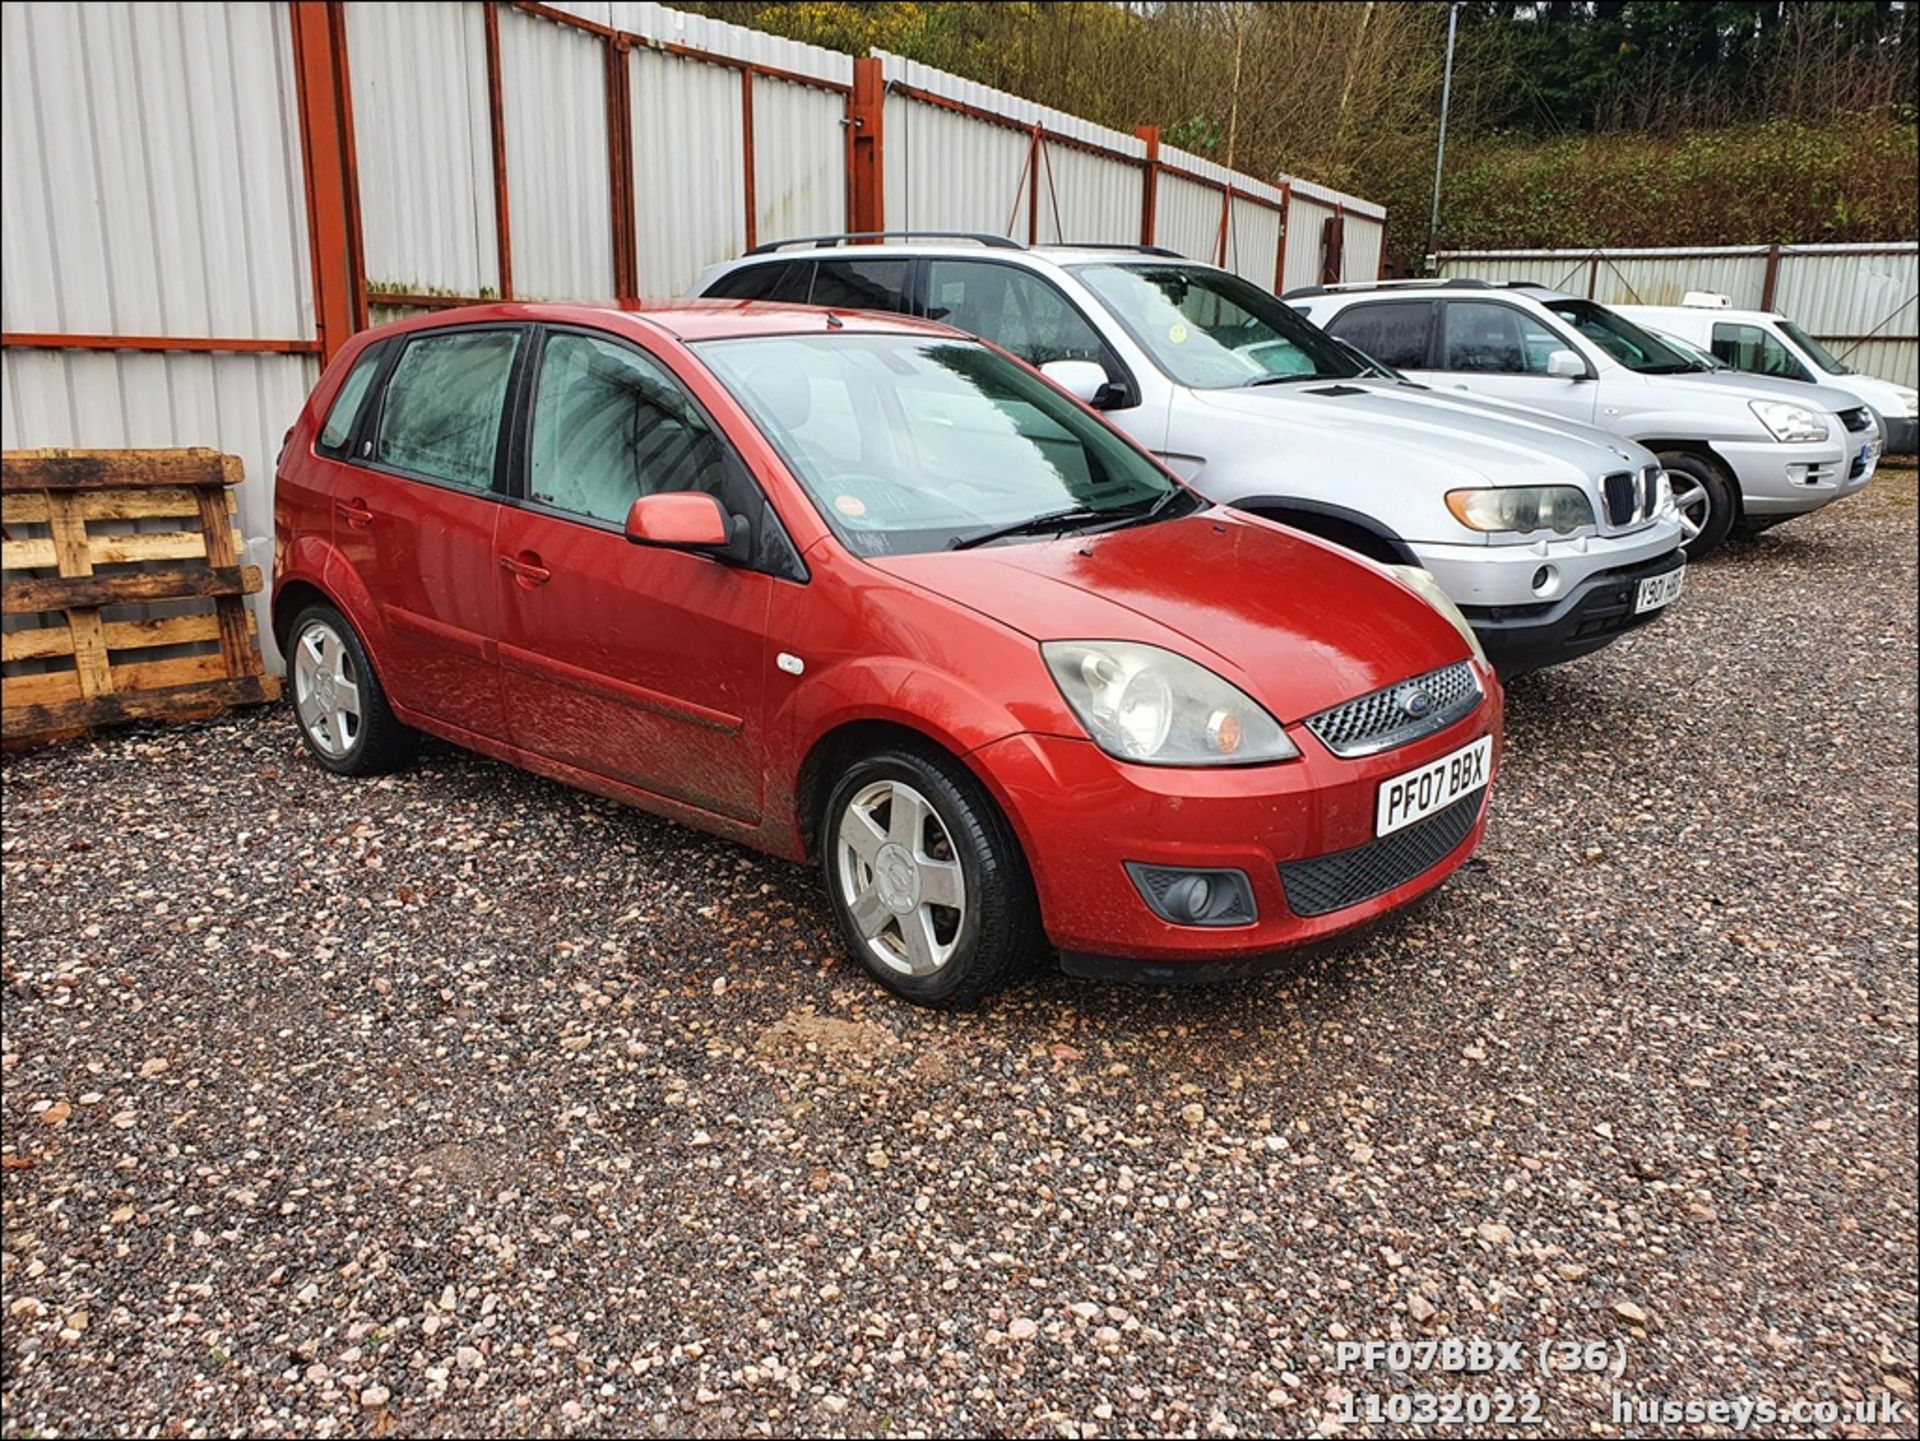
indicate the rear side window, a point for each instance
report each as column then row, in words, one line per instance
column 1393, row 333
column 441, row 414
column 861, row 284
column 346, row 405
column 786, row 280
column 1754, row 350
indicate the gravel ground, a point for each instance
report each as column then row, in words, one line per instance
column 462, row 1103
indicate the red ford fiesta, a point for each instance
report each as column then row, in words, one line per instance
column 867, row 592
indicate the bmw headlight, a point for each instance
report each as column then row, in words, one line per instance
column 1786, row 421
column 1428, row 589
column 1522, row 509
column 1144, row 704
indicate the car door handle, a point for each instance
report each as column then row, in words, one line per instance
column 355, row 513
column 526, row 568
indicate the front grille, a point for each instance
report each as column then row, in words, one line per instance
column 1328, row 883
column 1859, row 418
column 1618, row 489
column 1379, row 720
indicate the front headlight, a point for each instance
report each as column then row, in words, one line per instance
column 1141, row 703
column 1522, row 509
column 1786, row 421
column 1428, row 589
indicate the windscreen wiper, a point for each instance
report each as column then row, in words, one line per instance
column 1069, row 519
column 1280, row 379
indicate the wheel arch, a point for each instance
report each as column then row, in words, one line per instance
column 1349, row 529
column 1701, row 450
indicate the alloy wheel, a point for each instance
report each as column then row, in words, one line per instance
column 900, row 878
column 1693, row 504
column 326, row 689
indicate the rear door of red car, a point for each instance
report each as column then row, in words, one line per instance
column 647, row 666
column 416, row 519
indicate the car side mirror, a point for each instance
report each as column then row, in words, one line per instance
column 1084, row 380
column 679, row 520
column 1567, row 365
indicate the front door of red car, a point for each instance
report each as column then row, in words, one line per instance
column 646, row 666
column 415, row 519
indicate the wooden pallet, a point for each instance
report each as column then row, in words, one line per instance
column 74, row 545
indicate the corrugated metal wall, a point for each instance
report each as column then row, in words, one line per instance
column 424, row 147
column 1861, row 301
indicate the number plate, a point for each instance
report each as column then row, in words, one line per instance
column 1660, row 590
column 1417, row 794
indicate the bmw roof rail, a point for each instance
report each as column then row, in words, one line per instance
column 1121, row 245
column 992, row 242
column 1432, row 282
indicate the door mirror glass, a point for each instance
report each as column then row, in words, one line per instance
column 1082, row 379
column 1566, row 365
column 679, row 520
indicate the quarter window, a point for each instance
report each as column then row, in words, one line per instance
column 1392, row 332
column 786, row 280
column 346, row 405
column 441, row 415
column 1495, row 340
column 1754, row 350
column 609, row 426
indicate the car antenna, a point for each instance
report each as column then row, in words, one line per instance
column 834, row 322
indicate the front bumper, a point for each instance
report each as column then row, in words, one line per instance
column 1901, row 436
column 1082, row 815
column 1522, row 638
column 1781, row 480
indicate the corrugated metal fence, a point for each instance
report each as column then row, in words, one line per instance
column 1860, row 301
column 203, row 201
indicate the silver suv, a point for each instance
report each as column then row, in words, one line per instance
column 1552, row 539
column 1743, row 451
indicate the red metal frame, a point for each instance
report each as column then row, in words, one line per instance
column 206, row 344
column 319, row 63
column 1150, row 184
column 752, row 203
column 1280, row 250
column 497, row 120
column 866, row 170
column 626, row 262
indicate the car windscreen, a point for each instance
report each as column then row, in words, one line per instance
column 1814, row 350
column 909, row 443
column 1212, row 330
column 1626, row 342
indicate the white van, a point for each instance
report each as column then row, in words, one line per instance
column 1764, row 342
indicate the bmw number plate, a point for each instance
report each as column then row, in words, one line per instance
column 1433, row 787
column 1660, row 590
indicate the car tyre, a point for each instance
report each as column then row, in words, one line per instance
column 338, row 702
column 1706, row 499
column 927, row 879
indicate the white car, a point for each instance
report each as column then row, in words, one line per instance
column 1764, row 342
column 1552, row 539
column 1744, row 450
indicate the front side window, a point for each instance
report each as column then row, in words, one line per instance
column 1814, row 350
column 353, row 393
column 1212, row 330
column 861, row 285
column 1017, row 311
column 440, row 417
column 909, row 443
column 1755, row 350
column 609, row 426
column 1620, row 338
column 1392, row 332
column 1496, row 339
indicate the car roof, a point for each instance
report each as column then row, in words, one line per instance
column 1039, row 255
column 689, row 320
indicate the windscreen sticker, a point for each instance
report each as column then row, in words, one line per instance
column 1177, row 333
column 851, row 506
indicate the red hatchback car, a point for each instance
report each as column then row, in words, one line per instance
column 865, row 591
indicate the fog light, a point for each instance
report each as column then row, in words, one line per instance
column 1191, row 896
column 1546, row 580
